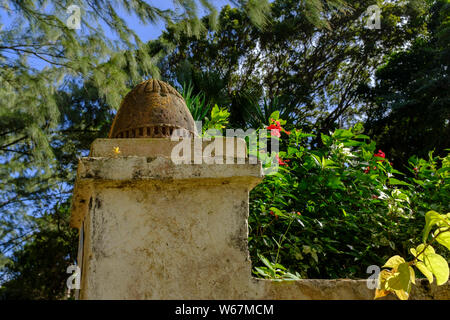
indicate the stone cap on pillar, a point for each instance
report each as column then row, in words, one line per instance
column 153, row 109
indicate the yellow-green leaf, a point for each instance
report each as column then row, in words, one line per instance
column 445, row 222
column 431, row 218
column 438, row 265
column 423, row 268
column 394, row 262
column 400, row 280
column 443, row 237
column 429, row 250
column 412, row 275
column 402, row 294
column 382, row 278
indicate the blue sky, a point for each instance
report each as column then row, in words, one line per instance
column 151, row 32
column 145, row 32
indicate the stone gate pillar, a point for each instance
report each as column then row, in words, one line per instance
column 153, row 229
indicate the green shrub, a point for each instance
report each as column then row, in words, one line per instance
column 334, row 211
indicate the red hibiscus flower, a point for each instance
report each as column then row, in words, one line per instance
column 281, row 162
column 380, row 154
column 276, row 128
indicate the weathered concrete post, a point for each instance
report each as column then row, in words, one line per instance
column 153, row 229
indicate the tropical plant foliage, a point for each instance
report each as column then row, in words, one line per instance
column 334, row 211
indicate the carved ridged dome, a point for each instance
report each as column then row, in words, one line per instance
column 153, row 109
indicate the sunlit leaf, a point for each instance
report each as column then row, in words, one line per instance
column 402, row 294
column 443, row 236
column 431, row 218
column 400, row 280
column 412, row 275
column 420, row 251
column 394, row 262
column 438, row 266
column 423, row 268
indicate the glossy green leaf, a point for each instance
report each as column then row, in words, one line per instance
column 275, row 115
column 326, row 139
column 394, row 182
column 438, row 266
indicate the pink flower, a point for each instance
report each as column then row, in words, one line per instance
column 275, row 133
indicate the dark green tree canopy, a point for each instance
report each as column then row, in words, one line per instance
column 410, row 111
column 311, row 74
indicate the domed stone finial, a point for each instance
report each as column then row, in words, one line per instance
column 153, row 109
